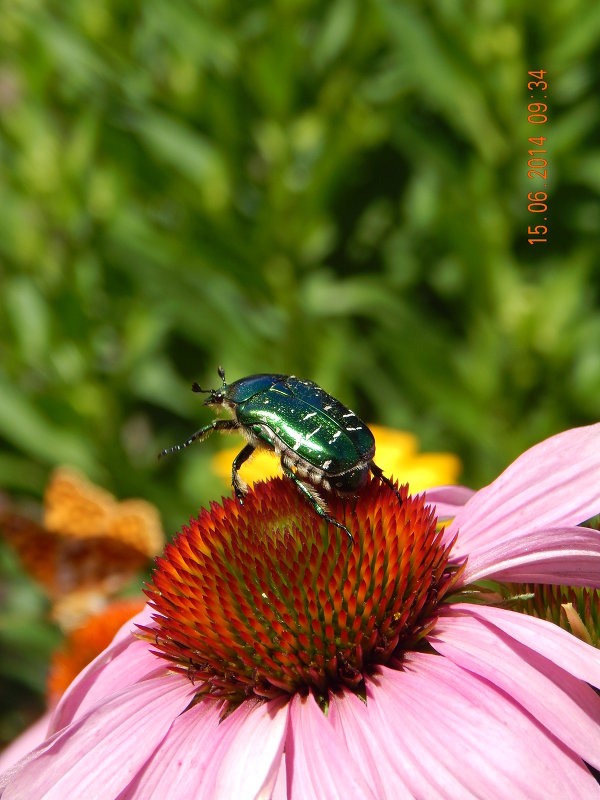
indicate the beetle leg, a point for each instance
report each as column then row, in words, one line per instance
column 215, row 425
column 313, row 500
column 240, row 487
column 378, row 472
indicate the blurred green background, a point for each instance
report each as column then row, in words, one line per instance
column 337, row 190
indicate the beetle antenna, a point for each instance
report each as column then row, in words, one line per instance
column 198, row 436
column 221, row 372
column 177, row 447
column 196, row 388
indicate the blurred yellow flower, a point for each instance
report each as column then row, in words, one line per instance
column 397, row 455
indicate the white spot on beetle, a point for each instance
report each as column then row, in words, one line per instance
column 351, row 414
column 326, row 463
column 312, row 433
column 308, row 416
column 354, row 429
column 334, row 437
column 326, row 408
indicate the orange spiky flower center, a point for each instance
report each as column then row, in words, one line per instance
column 267, row 598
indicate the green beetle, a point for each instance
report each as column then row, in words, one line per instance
column 322, row 445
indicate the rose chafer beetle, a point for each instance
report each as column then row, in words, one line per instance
column 322, row 445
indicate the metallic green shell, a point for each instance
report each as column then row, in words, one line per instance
column 306, row 420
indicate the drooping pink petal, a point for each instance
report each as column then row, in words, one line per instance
column 25, row 743
column 554, row 484
column 280, row 787
column 103, row 750
column 448, row 500
column 409, row 755
column 245, row 762
column 176, row 763
column 318, row 764
column 566, row 706
column 120, row 665
column 555, row 555
column 580, row 659
column 349, row 717
column 456, row 735
column 203, row 758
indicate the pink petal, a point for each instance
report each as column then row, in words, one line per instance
column 175, row 768
column 448, row 500
column 318, row 763
column 25, row 743
column 98, row 755
column 119, row 666
column 566, row 706
column 175, row 765
column 349, row 717
column 455, row 735
column 406, row 742
column 245, row 762
column 570, row 653
column 556, row 555
column 554, row 484
column 203, row 758
column 280, row 788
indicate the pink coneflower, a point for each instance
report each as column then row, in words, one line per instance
column 274, row 659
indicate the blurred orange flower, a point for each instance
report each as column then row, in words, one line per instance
column 87, row 546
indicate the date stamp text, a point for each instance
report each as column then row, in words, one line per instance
column 538, row 157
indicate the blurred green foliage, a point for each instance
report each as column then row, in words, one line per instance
column 336, row 190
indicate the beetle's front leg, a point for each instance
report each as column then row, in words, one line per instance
column 215, row 425
column 313, row 500
column 378, row 472
column 240, row 487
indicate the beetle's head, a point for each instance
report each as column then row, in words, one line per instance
column 216, row 397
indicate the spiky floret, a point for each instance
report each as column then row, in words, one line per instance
column 266, row 598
